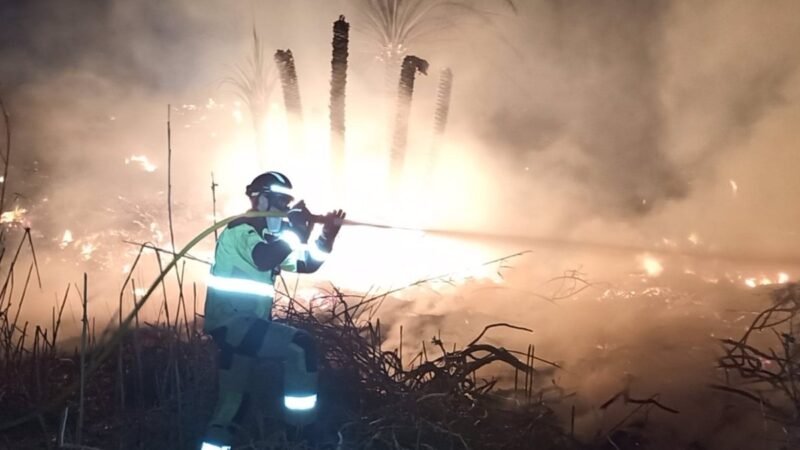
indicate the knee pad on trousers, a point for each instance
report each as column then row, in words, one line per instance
column 253, row 338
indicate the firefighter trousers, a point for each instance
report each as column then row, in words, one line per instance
column 241, row 343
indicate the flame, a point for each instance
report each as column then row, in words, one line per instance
column 158, row 235
column 763, row 280
column 17, row 216
column 734, row 187
column 384, row 259
column 142, row 161
column 66, row 239
column 651, row 265
column 368, row 259
column 87, row 250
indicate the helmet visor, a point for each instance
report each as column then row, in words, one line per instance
column 280, row 201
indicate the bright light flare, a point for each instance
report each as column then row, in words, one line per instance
column 16, row 216
column 87, row 250
column 371, row 259
column 66, row 239
column 367, row 259
column 158, row 235
column 651, row 265
column 763, row 280
column 143, row 162
column 734, row 187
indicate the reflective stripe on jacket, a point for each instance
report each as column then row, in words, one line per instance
column 236, row 287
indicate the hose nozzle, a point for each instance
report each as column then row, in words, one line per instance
column 325, row 220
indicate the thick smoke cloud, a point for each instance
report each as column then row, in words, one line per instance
column 639, row 99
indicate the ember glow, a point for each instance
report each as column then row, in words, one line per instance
column 142, row 161
column 87, row 250
column 651, row 265
column 66, row 239
column 766, row 280
column 17, row 216
column 734, row 187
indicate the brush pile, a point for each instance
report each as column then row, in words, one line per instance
column 438, row 403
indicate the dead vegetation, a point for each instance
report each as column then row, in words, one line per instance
column 153, row 386
column 764, row 364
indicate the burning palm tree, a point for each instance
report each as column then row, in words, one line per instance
column 341, row 38
column 254, row 83
column 291, row 94
column 395, row 25
column 443, row 93
column 405, row 92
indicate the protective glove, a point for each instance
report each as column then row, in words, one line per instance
column 333, row 222
column 300, row 221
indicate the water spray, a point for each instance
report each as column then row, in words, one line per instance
column 574, row 244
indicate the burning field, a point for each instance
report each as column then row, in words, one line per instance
column 573, row 224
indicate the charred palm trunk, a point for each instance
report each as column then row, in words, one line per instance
column 291, row 97
column 405, row 92
column 341, row 32
column 440, row 116
column 392, row 59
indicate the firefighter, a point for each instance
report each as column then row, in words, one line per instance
column 250, row 253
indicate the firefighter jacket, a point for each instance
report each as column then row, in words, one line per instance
column 248, row 258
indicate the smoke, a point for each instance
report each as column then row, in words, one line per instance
column 659, row 124
column 636, row 103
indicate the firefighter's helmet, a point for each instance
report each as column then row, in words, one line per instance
column 275, row 185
